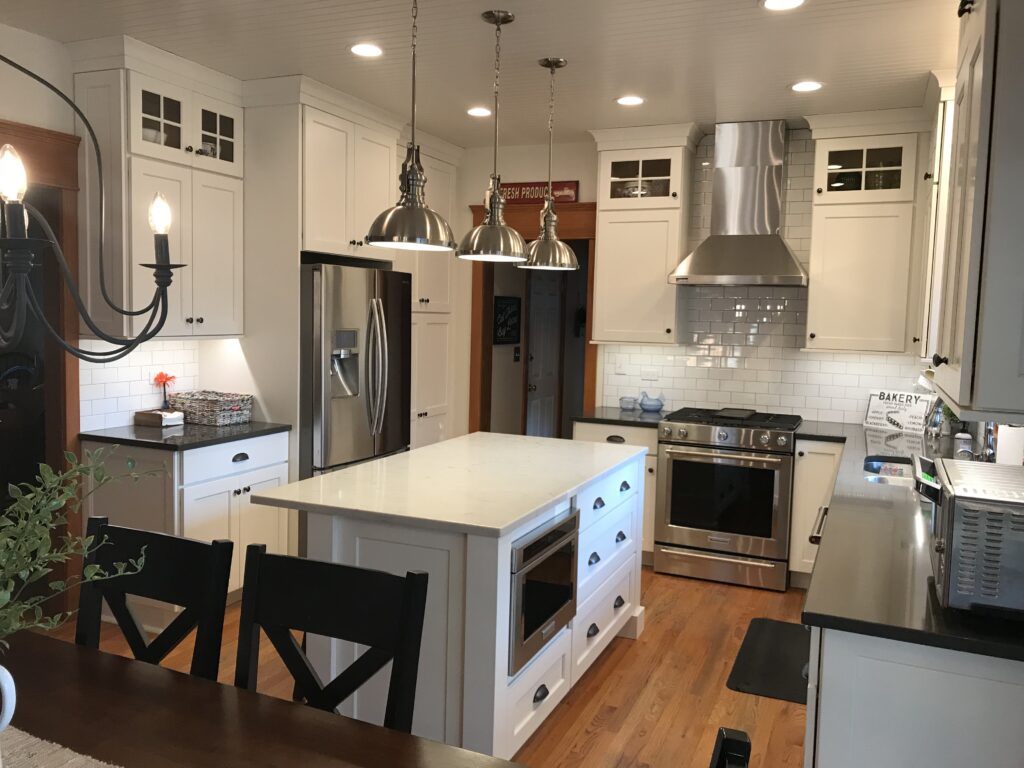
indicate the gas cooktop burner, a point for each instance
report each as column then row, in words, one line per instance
column 738, row 417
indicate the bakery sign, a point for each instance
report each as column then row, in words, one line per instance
column 517, row 192
column 900, row 411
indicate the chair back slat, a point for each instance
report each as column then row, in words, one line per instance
column 283, row 594
column 192, row 575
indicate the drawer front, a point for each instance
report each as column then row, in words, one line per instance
column 232, row 458
column 614, row 433
column 537, row 691
column 604, row 546
column 601, row 617
column 605, row 494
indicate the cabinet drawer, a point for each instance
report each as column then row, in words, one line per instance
column 605, row 494
column 601, row 617
column 537, row 691
column 213, row 461
column 604, row 546
column 614, row 433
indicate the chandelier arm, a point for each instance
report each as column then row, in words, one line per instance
column 99, row 180
column 12, row 334
column 6, row 292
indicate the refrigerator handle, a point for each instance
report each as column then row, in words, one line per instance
column 368, row 367
column 384, row 382
column 379, row 380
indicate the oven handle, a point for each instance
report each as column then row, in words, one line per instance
column 718, row 558
column 720, row 458
column 819, row 526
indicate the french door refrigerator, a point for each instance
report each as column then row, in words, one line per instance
column 355, row 364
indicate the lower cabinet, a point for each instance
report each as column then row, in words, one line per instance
column 431, row 379
column 601, row 616
column 540, row 689
column 814, row 478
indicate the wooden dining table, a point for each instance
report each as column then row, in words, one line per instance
column 131, row 713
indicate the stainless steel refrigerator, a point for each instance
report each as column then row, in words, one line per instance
column 355, row 363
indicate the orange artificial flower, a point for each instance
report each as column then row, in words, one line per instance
column 163, row 378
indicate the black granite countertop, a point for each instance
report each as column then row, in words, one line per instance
column 873, row 573
column 184, row 437
column 637, row 418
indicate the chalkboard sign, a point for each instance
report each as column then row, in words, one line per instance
column 508, row 319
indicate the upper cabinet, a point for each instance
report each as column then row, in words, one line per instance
column 867, row 169
column 176, row 124
column 640, row 178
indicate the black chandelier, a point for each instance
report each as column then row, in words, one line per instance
column 18, row 254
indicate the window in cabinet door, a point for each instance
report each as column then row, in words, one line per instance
column 639, row 179
column 873, row 169
column 161, row 119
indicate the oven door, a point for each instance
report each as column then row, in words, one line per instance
column 724, row 500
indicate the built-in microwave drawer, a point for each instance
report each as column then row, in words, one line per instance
column 605, row 494
column 600, row 618
column 615, row 433
column 604, row 546
column 537, row 690
column 200, row 464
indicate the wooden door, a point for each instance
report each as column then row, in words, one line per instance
column 327, row 150
column 217, row 254
column 859, row 277
column 431, row 388
column 543, row 370
column 374, row 186
column 148, row 177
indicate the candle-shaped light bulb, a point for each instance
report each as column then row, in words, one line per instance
column 13, row 179
column 160, row 215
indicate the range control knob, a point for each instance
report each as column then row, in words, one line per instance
column 723, row 435
column 666, row 431
column 683, row 432
column 782, row 440
column 764, row 439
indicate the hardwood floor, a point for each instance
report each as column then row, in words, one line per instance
column 656, row 702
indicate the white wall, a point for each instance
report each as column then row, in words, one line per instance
column 22, row 100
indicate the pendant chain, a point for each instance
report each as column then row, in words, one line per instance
column 497, row 81
column 415, row 32
column 551, row 127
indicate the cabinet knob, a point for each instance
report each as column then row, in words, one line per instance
column 916, row 339
column 938, row 360
column 189, row 320
column 351, row 242
column 237, row 492
column 966, row 6
column 819, row 190
column 813, row 335
column 675, row 194
column 800, row 453
column 189, row 148
column 247, row 489
column 668, row 330
column 650, row 470
column 199, row 320
column 928, row 176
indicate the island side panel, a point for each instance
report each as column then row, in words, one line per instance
column 399, row 548
column 635, row 626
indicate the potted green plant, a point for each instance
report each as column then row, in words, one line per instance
column 34, row 538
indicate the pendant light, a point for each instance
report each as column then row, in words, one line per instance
column 411, row 224
column 547, row 251
column 493, row 240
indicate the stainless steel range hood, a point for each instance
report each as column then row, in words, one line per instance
column 745, row 247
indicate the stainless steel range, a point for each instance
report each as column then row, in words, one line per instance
column 724, row 493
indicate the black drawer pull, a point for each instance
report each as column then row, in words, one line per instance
column 592, row 630
column 243, row 456
column 598, row 503
column 594, row 559
column 624, row 487
column 619, row 602
column 541, row 694
column 620, row 537
column 615, row 439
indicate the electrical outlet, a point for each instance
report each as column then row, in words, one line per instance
column 649, row 374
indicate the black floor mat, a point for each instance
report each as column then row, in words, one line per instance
column 772, row 661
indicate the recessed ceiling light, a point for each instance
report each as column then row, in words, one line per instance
column 629, row 101
column 781, row 5
column 806, row 86
column 367, row 50
column 478, row 112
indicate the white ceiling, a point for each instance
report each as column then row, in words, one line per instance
column 693, row 60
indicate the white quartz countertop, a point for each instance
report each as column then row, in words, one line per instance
column 484, row 483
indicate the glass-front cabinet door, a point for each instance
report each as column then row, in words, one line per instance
column 869, row 169
column 216, row 139
column 641, row 178
column 159, row 119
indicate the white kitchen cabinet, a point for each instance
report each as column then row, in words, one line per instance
column 217, row 138
column 431, row 380
column 865, row 169
column 206, row 513
column 814, row 478
column 432, row 276
column 205, row 297
column 374, row 186
column 861, row 259
column 634, row 179
column 636, row 252
column 650, row 509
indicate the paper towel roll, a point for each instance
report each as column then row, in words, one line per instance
column 1010, row 445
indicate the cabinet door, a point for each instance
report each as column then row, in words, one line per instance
column 641, row 178
column 175, row 182
column 814, row 478
column 431, row 385
column 159, row 116
column 971, row 118
column 432, row 280
column 326, row 172
column 216, row 135
column 206, row 513
column 633, row 300
column 868, row 169
column 216, row 254
column 859, row 277
column 374, row 186
column 650, row 489
column 258, row 523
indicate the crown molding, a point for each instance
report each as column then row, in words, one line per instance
column 648, row 136
column 877, row 122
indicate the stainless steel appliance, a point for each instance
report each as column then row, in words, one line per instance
column 725, row 481
column 543, row 586
column 977, row 532
column 355, row 363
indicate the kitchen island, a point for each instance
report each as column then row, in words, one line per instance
column 455, row 509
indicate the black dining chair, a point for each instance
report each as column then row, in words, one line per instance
column 192, row 575
column 732, row 749
column 282, row 594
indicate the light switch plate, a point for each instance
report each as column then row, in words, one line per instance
column 620, row 364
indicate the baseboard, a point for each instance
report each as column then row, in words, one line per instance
column 799, row 580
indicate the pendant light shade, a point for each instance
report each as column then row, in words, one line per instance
column 411, row 224
column 493, row 239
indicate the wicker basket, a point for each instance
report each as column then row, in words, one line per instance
column 214, row 409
